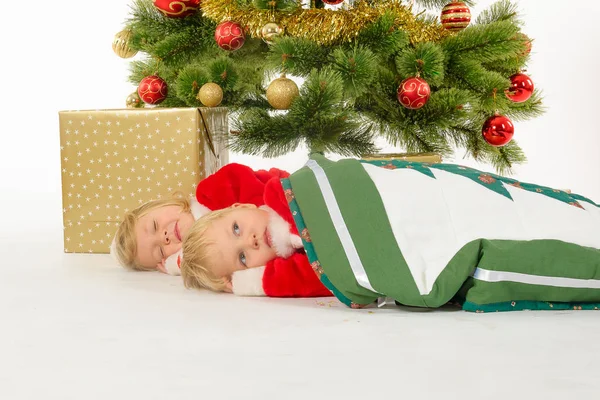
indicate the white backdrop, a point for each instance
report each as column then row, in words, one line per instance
column 73, row 326
column 58, row 55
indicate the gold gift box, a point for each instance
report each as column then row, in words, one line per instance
column 433, row 158
column 115, row 160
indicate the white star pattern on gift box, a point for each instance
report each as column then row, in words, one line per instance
column 117, row 160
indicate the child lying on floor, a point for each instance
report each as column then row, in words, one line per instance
column 250, row 251
column 420, row 234
column 149, row 237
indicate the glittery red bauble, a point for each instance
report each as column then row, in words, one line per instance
column 413, row 93
column 230, row 36
column 526, row 43
column 177, row 8
column 521, row 88
column 498, row 130
column 152, row 89
column 455, row 16
column 332, row 2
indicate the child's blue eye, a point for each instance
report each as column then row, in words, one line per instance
column 236, row 229
column 243, row 259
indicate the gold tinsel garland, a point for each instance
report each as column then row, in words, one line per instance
column 325, row 26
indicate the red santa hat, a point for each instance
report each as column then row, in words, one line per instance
column 235, row 183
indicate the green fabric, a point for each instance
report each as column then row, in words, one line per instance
column 541, row 257
column 536, row 257
column 496, row 183
column 454, row 274
column 325, row 241
column 308, row 246
column 395, row 164
column 365, row 217
column 527, row 306
column 489, row 180
column 580, row 197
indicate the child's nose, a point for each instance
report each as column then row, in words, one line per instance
column 253, row 241
column 166, row 237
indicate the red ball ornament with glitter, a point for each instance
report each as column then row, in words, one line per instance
column 333, row 2
column 498, row 130
column 455, row 16
column 230, row 35
column 413, row 93
column 177, row 9
column 152, row 89
column 526, row 44
column 521, row 88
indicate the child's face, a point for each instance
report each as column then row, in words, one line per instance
column 241, row 241
column 159, row 234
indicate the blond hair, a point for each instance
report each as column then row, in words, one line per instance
column 197, row 256
column 125, row 240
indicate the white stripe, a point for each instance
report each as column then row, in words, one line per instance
column 340, row 226
column 503, row 276
column 433, row 219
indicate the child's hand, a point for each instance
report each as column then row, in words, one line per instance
column 160, row 267
column 171, row 265
column 248, row 282
column 228, row 285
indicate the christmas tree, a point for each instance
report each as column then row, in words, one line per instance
column 427, row 81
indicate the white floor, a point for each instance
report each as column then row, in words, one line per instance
column 78, row 327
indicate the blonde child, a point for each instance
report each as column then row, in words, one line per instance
column 250, row 251
column 150, row 236
column 420, row 234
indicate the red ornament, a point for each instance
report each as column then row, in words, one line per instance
column 521, row 88
column 177, row 8
column 230, row 35
column 455, row 16
column 332, row 2
column 152, row 89
column 498, row 130
column 413, row 93
column 526, row 43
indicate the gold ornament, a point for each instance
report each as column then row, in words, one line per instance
column 270, row 31
column 325, row 26
column 120, row 44
column 210, row 94
column 455, row 16
column 134, row 101
column 281, row 92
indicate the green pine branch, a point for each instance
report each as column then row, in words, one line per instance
column 349, row 94
column 296, row 56
column 502, row 10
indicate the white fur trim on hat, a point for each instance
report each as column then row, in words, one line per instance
column 282, row 240
column 198, row 209
column 173, row 263
column 248, row 282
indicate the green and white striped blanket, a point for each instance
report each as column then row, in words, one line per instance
column 427, row 234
